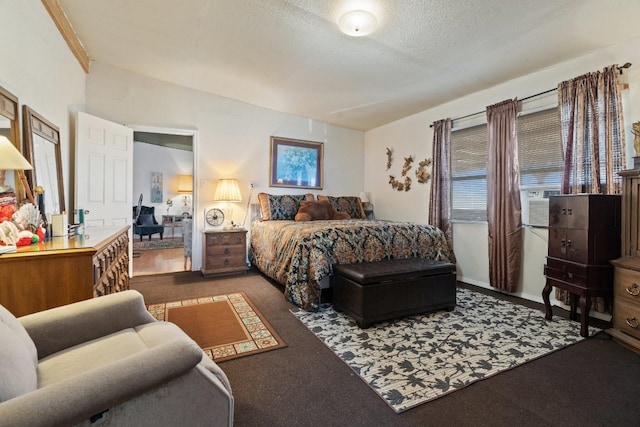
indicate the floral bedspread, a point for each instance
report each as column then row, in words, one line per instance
column 299, row 255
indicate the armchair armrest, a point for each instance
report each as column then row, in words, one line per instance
column 76, row 399
column 58, row 328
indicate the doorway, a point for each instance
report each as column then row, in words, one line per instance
column 163, row 177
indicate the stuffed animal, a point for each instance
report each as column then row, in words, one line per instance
column 312, row 211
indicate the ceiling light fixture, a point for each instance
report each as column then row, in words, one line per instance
column 357, row 23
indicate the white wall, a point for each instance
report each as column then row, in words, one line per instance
column 412, row 136
column 37, row 66
column 233, row 137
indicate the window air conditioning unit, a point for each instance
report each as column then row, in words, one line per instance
column 536, row 207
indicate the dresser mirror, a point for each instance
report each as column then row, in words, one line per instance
column 9, row 127
column 42, row 146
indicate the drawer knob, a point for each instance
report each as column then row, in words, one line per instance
column 226, row 262
column 633, row 322
column 634, row 289
column 226, row 251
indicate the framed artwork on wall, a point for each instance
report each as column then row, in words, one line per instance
column 295, row 163
column 156, row 187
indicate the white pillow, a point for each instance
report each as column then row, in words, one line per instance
column 18, row 370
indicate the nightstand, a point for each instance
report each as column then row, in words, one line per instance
column 224, row 252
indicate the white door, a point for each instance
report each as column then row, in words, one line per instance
column 104, row 171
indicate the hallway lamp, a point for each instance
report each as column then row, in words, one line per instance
column 185, row 187
column 228, row 191
column 11, row 159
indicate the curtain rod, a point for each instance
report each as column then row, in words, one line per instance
column 627, row 65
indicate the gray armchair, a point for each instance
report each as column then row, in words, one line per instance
column 106, row 361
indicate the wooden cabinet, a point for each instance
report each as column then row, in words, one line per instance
column 64, row 270
column 626, row 302
column 224, row 252
column 584, row 236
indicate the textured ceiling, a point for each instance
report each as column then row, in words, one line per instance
column 289, row 56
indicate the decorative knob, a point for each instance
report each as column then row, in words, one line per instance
column 633, row 322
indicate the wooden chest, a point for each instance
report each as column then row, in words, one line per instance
column 383, row 290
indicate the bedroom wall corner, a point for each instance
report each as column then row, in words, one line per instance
column 413, row 133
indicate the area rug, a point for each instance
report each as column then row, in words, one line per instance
column 224, row 326
column 413, row 360
column 146, row 245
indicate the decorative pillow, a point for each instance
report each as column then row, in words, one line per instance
column 145, row 219
column 19, row 358
column 349, row 204
column 280, row 207
column 313, row 211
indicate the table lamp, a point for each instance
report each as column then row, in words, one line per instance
column 228, row 191
column 185, row 187
column 11, row 159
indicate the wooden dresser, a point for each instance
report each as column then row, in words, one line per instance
column 64, row 270
column 224, row 252
column 584, row 236
column 626, row 303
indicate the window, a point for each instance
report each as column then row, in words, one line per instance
column 540, row 149
column 469, row 174
column 539, row 154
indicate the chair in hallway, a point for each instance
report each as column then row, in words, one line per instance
column 187, row 232
column 146, row 223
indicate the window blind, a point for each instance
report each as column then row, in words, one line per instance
column 469, row 174
column 540, row 149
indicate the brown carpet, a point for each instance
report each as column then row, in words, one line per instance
column 224, row 326
column 595, row 382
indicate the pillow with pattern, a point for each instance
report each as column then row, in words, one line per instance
column 349, row 204
column 275, row 207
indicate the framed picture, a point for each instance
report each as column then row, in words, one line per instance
column 156, row 187
column 296, row 163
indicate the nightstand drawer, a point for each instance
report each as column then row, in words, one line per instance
column 225, row 239
column 222, row 251
column 221, row 263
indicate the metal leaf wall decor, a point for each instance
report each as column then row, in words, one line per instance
column 422, row 174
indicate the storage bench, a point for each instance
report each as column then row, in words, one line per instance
column 383, row 290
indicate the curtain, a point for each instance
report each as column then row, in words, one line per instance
column 592, row 133
column 440, row 198
column 503, row 196
column 592, row 139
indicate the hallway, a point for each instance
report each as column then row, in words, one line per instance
column 159, row 261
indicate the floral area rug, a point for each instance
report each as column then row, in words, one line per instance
column 413, row 360
column 224, row 326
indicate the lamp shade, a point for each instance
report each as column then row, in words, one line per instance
column 227, row 191
column 185, row 184
column 357, row 23
column 10, row 157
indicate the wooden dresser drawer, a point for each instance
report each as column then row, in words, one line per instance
column 626, row 318
column 627, row 285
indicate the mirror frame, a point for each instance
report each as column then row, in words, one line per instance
column 9, row 109
column 34, row 123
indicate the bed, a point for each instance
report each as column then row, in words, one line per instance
column 300, row 255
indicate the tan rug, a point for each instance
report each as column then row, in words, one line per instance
column 224, row 326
